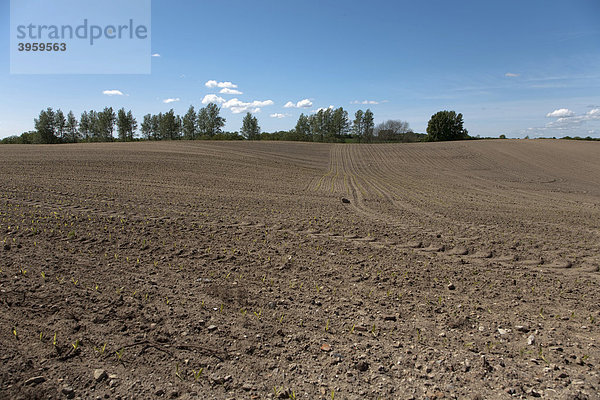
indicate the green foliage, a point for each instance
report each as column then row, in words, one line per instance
column 209, row 121
column 72, row 134
column 190, row 124
column 126, row 125
column 368, row 126
column 45, row 126
column 446, row 125
column 358, row 127
column 250, row 129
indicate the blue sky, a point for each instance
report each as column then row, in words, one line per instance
column 513, row 67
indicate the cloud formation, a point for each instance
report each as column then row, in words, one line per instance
column 230, row 91
column 155, row 55
column 569, row 123
column 214, row 84
column 305, row 103
column 237, row 106
column 170, row 100
column 560, row 113
column 279, row 115
column 511, row 75
column 323, row 109
column 213, row 98
column 113, row 92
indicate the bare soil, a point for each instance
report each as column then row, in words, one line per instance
column 234, row 270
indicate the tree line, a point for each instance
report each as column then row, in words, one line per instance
column 325, row 125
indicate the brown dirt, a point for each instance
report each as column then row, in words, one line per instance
column 154, row 261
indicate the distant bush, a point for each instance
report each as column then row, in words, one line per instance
column 446, row 125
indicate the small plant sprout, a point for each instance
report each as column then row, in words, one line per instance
column 281, row 318
column 332, row 394
column 14, row 332
column 177, row 374
column 327, row 325
column 352, row 329
column 119, row 354
column 197, row 374
column 75, row 345
column 75, row 281
column 41, row 335
column 43, row 274
column 100, row 350
column 258, row 314
column 54, row 341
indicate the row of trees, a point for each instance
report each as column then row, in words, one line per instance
column 53, row 127
column 205, row 124
column 326, row 125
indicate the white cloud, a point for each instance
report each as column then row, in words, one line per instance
column 213, row 84
column 560, row 113
column 367, row 102
column 305, row 103
column 155, row 55
column 323, row 109
column 171, row 100
column 213, row 98
column 568, row 123
column 594, row 114
column 230, row 91
column 237, row 106
column 113, row 92
column 279, row 115
column 511, row 75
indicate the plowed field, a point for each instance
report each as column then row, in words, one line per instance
column 299, row 270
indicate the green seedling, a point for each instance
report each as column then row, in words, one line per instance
column 258, row 314
column 43, row 274
column 197, row 373
column 75, row 345
column 100, row 350
column 327, row 325
column 41, row 335
column 119, row 354
column 352, row 329
column 54, row 341
column 14, row 332
column 177, row 374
